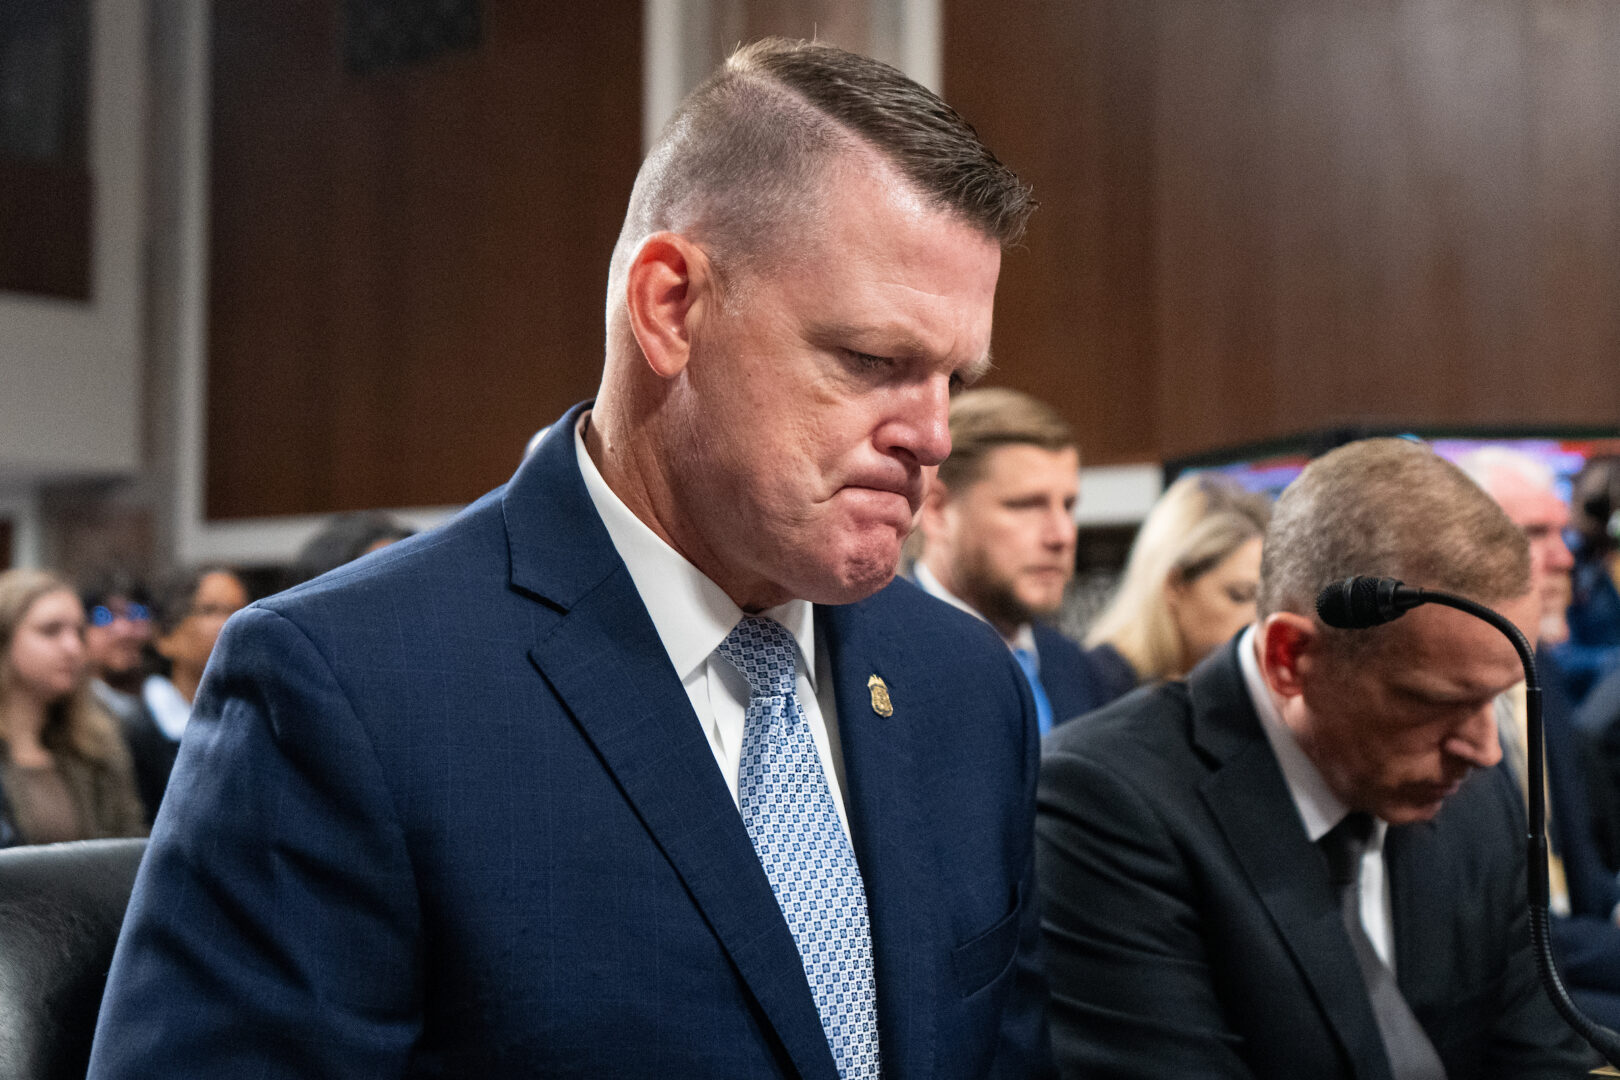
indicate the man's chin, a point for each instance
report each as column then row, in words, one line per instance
column 855, row 576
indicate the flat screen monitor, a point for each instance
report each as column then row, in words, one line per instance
column 1270, row 466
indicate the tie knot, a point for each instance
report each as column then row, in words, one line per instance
column 1344, row 845
column 763, row 651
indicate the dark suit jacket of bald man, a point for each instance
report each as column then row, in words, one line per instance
column 448, row 812
column 1191, row 929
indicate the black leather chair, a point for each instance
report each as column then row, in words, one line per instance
column 60, row 909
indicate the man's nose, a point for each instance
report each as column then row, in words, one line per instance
column 921, row 429
column 1060, row 528
column 1475, row 740
column 1559, row 557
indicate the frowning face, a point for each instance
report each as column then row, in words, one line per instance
column 812, row 413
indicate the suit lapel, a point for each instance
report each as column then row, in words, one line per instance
column 1249, row 798
column 891, row 844
column 604, row 660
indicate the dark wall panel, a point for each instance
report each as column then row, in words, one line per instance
column 1304, row 215
column 407, row 265
column 1063, row 92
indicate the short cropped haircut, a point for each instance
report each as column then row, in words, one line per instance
column 741, row 164
column 982, row 420
column 1389, row 508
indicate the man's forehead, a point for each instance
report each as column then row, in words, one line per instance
column 1527, row 503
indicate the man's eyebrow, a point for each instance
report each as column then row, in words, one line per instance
column 893, row 342
column 979, row 368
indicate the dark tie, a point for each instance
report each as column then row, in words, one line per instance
column 1411, row 1055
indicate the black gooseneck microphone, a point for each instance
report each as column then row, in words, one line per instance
column 1360, row 602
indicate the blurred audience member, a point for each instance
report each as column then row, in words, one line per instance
column 998, row 534
column 190, row 607
column 1189, row 584
column 1593, row 648
column 1585, row 898
column 344, row 539
column 64, row 771
column 118, row 614
column 117, row 632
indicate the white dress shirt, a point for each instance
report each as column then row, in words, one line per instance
column 1023, row 637
column 693, row 616
column 171, row 711
column 1319, row 808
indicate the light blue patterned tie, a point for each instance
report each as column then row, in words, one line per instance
column 788, row 811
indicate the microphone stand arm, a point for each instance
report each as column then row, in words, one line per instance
column 1600, row 1038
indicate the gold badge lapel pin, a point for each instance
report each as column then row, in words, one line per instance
column 880, row 696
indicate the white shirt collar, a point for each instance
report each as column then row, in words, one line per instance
column 171, row 711
column 691, row 613
column 1319, row 808
column 1023, row 637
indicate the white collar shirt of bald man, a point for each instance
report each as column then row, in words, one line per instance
column 1319, row 808
column 693, row 616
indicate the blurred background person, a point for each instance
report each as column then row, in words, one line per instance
column 189, row 608
column 64, row 771
column 1189, row 584
column 117, row 632
column 998, row 537
column 1593, row 647
column 344, row 539
column 118, row 624
column 1584, row 896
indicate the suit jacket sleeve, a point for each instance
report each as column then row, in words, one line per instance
column 273, row 927
column 1132, row 990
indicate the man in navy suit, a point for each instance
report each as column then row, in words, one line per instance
column 640, row 767
column 999, row 534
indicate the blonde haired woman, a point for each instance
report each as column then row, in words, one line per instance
column 64, row 770
column 1189, row 583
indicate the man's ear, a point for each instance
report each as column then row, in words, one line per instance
column 668, row 283
column 1287, row 644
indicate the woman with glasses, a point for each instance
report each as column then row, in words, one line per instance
column 189, row 608
column 64, row 770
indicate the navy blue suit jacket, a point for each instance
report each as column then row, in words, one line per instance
column 448, row 812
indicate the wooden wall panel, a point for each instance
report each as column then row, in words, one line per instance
column 1403, row 211
column 1063, row 92
column 408, row 266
